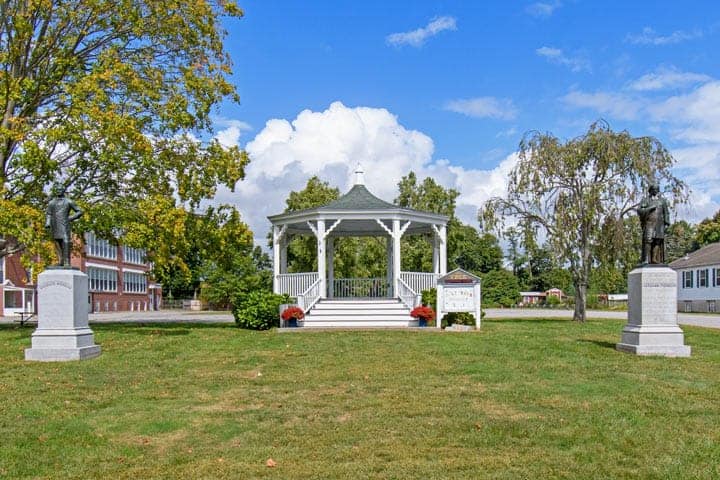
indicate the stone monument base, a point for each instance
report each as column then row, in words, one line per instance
column 652, row 327
column 63, row 333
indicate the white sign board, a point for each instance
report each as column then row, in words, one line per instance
column 460, row 298
column 458, row 291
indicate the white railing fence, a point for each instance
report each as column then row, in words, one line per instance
column 407, row 295
column 360, row 288
column 419, row 281
column 309, row 297
column 295, row 284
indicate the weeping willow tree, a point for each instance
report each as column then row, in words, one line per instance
column 579, row 192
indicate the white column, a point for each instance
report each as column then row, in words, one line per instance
column 396, row 256
column 322, row 258
column 389, row 256
column 276, row 258
column 443, row 250
column 283, row 253
column 436, row 253
column 331, row 266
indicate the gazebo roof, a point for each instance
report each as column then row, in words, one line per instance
column 359, row 210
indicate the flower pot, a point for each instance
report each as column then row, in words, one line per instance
column 292, row 323
column 422, row 322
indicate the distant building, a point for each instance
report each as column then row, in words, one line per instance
column 699, row 279
column 118, row 279
column 540, row 298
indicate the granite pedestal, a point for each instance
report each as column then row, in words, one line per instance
column 63, row 333
column 652, row 327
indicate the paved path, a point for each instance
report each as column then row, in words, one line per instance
column 696, row 319
column 185, row 316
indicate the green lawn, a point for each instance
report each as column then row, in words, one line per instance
column 521, row 399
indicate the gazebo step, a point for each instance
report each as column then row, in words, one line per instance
column 355, row 313
column 359, row 324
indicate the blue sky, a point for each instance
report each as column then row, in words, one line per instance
column 448, row 88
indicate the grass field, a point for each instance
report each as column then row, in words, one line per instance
column 521, row 399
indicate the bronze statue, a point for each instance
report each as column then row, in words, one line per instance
column 654, row 219
column 58, row 219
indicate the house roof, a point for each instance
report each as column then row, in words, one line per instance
column 707, row 255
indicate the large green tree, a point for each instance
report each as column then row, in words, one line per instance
column 708, row 231
column 579, row 191
column 113, row 100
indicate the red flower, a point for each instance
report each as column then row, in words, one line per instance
column 292, row 312
column 423, row 312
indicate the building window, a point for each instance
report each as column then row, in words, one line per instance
column 134, row 255
column 134, row 282
column 102, row 279
column 688, row 306
column 98, row 247
column 711, row 306
column 687, row 279
column 702, row 278
column 716, row 277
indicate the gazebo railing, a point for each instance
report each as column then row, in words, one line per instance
column 360, row 288
column 419, row 281
column 407, row 295
column 309, row 297
column 295, row 284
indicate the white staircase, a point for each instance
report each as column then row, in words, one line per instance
column 359, row 313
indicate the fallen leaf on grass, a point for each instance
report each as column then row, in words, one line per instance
column 271, row 463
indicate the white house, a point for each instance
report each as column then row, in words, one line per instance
column 699, row 279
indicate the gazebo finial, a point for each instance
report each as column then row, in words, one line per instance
column 359, row 175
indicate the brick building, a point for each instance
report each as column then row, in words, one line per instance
column 118, row 279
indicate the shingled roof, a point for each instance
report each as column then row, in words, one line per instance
column 358, row 198
column 707, row 255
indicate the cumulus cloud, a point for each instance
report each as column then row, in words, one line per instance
column 556, row 56
column 232, row 130
column 484, row 107
column 417, row 38
column 695, row 116
column 648, row 36
column 330, row 144
column 543, row 9
column 667, row 78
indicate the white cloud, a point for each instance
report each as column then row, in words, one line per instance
column 230, row 135
column 617, row 105
column 543, row 9
column 667, row 78
column 416, row 38
column 481, row 107
column 555, row 55
column 648, row 36
column 330, row 143
column 695, row 117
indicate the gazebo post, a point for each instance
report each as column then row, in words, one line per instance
column 321, row 257
column 443, row 249
column 436, row 254
column 276, row 258
column 331, row 266
column 389, row 256
column 396, row 235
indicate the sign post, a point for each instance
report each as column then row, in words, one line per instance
column 458, row 291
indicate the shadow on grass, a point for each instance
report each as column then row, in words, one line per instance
column 528, row 320
column 158, row 328
column 599, row 343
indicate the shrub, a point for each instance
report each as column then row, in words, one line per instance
column 429, row 297
column 459, row 318
column 259, row 310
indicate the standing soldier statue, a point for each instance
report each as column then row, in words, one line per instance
column 654, row 219
column 58, row 219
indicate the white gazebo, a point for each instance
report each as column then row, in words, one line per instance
column 358, row 213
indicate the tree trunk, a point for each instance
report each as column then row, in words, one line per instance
column 580, row 315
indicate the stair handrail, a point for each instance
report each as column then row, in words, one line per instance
column 407, row 295
column 309, row 297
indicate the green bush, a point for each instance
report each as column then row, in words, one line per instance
column 429, row 297
column 459, row 318
column 259, row 310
